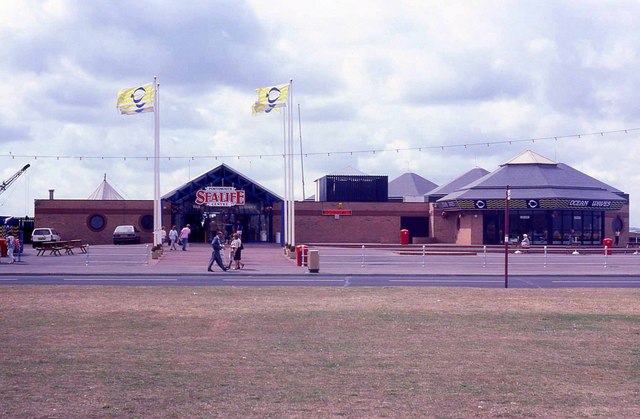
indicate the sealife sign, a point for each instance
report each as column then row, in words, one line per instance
column 220, row 197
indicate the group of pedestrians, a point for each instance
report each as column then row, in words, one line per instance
column 218, row 244
column 235, row 252
column 177, row 239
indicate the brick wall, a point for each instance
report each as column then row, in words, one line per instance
column 71, row 217
column 608, row 228
column 370, row 222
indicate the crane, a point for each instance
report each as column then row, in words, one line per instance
column 16, row 175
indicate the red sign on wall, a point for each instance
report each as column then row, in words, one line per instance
column 336, row 212
column 220, row 197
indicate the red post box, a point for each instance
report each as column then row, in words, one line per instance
column 301, row 254
column 404, row 236
column 608, row 244
column 3, row 247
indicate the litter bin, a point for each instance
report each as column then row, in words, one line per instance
column 404, row 236
column 608, row 244
column 301, row 254
column 314, row 261
column 3, row 247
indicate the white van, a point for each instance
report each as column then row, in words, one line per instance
column 40, row 235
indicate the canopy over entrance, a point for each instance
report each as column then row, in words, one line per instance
column 251, row 215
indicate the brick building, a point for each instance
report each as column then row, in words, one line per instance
column 551, row 202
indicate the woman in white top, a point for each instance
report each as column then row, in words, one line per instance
column 236, row 249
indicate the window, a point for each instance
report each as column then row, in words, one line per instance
column 96, row 222
column 146, row 222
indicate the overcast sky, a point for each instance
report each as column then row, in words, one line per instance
column 368, row 75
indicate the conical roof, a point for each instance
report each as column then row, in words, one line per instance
column 529, row 157
column 105, row 191
column 410, row 184
column 542, row 179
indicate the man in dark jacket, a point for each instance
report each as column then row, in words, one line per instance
column 217, row 244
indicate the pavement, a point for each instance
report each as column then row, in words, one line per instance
column 268, row 259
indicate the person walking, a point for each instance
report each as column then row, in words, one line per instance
column 237, row 247
column 232, row 250
column 11, row 245
column 238, row 228
column 184, row 236
column 173, row 238
column 218, row 244
column 163, row 236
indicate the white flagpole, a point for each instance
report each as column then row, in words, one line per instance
column 291, row 177
column 157, row 212
column 285, row 204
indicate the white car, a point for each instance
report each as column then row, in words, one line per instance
column 40, row 235
column 126, row 234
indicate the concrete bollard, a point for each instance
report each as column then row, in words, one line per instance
column 313, row 261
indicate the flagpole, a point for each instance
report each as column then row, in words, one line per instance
column 285, row 204
column 301, row 158
column 157, row 212
column 291, row 153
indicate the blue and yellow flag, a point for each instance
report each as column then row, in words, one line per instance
column 270, row 98
column 136, row 100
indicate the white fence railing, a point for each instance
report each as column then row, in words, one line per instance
column 123, row 255
column 473, row 256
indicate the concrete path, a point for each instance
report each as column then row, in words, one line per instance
column 269, row 259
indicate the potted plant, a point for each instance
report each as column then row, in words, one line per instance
column 156, row 251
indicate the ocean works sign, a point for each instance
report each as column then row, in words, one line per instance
column 585, row 203
column 220, row 197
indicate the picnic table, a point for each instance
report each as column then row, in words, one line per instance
column 56, row 247
column 77, row 244
column 53, row 247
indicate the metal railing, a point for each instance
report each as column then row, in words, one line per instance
column 124, row 255
column 473, row 256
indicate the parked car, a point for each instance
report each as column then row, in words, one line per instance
column 126, row 234
column 40, row 235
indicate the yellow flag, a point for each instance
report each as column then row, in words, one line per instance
column 258, row 107
column 136, row 100
column 270, row 98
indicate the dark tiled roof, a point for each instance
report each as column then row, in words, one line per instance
column 529, row 193
column 221, row 175
column 410, row 184
column 462, row 180
column 537, row 181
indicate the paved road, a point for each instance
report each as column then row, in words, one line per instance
column 239, row 279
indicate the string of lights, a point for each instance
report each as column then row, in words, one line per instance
column 328, row 153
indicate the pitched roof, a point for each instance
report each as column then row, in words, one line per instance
column 105, row 191
column 457, row 183
column 409, row 184
column 219, row 176
column 351, row 171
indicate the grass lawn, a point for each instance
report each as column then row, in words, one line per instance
column 80, row 351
